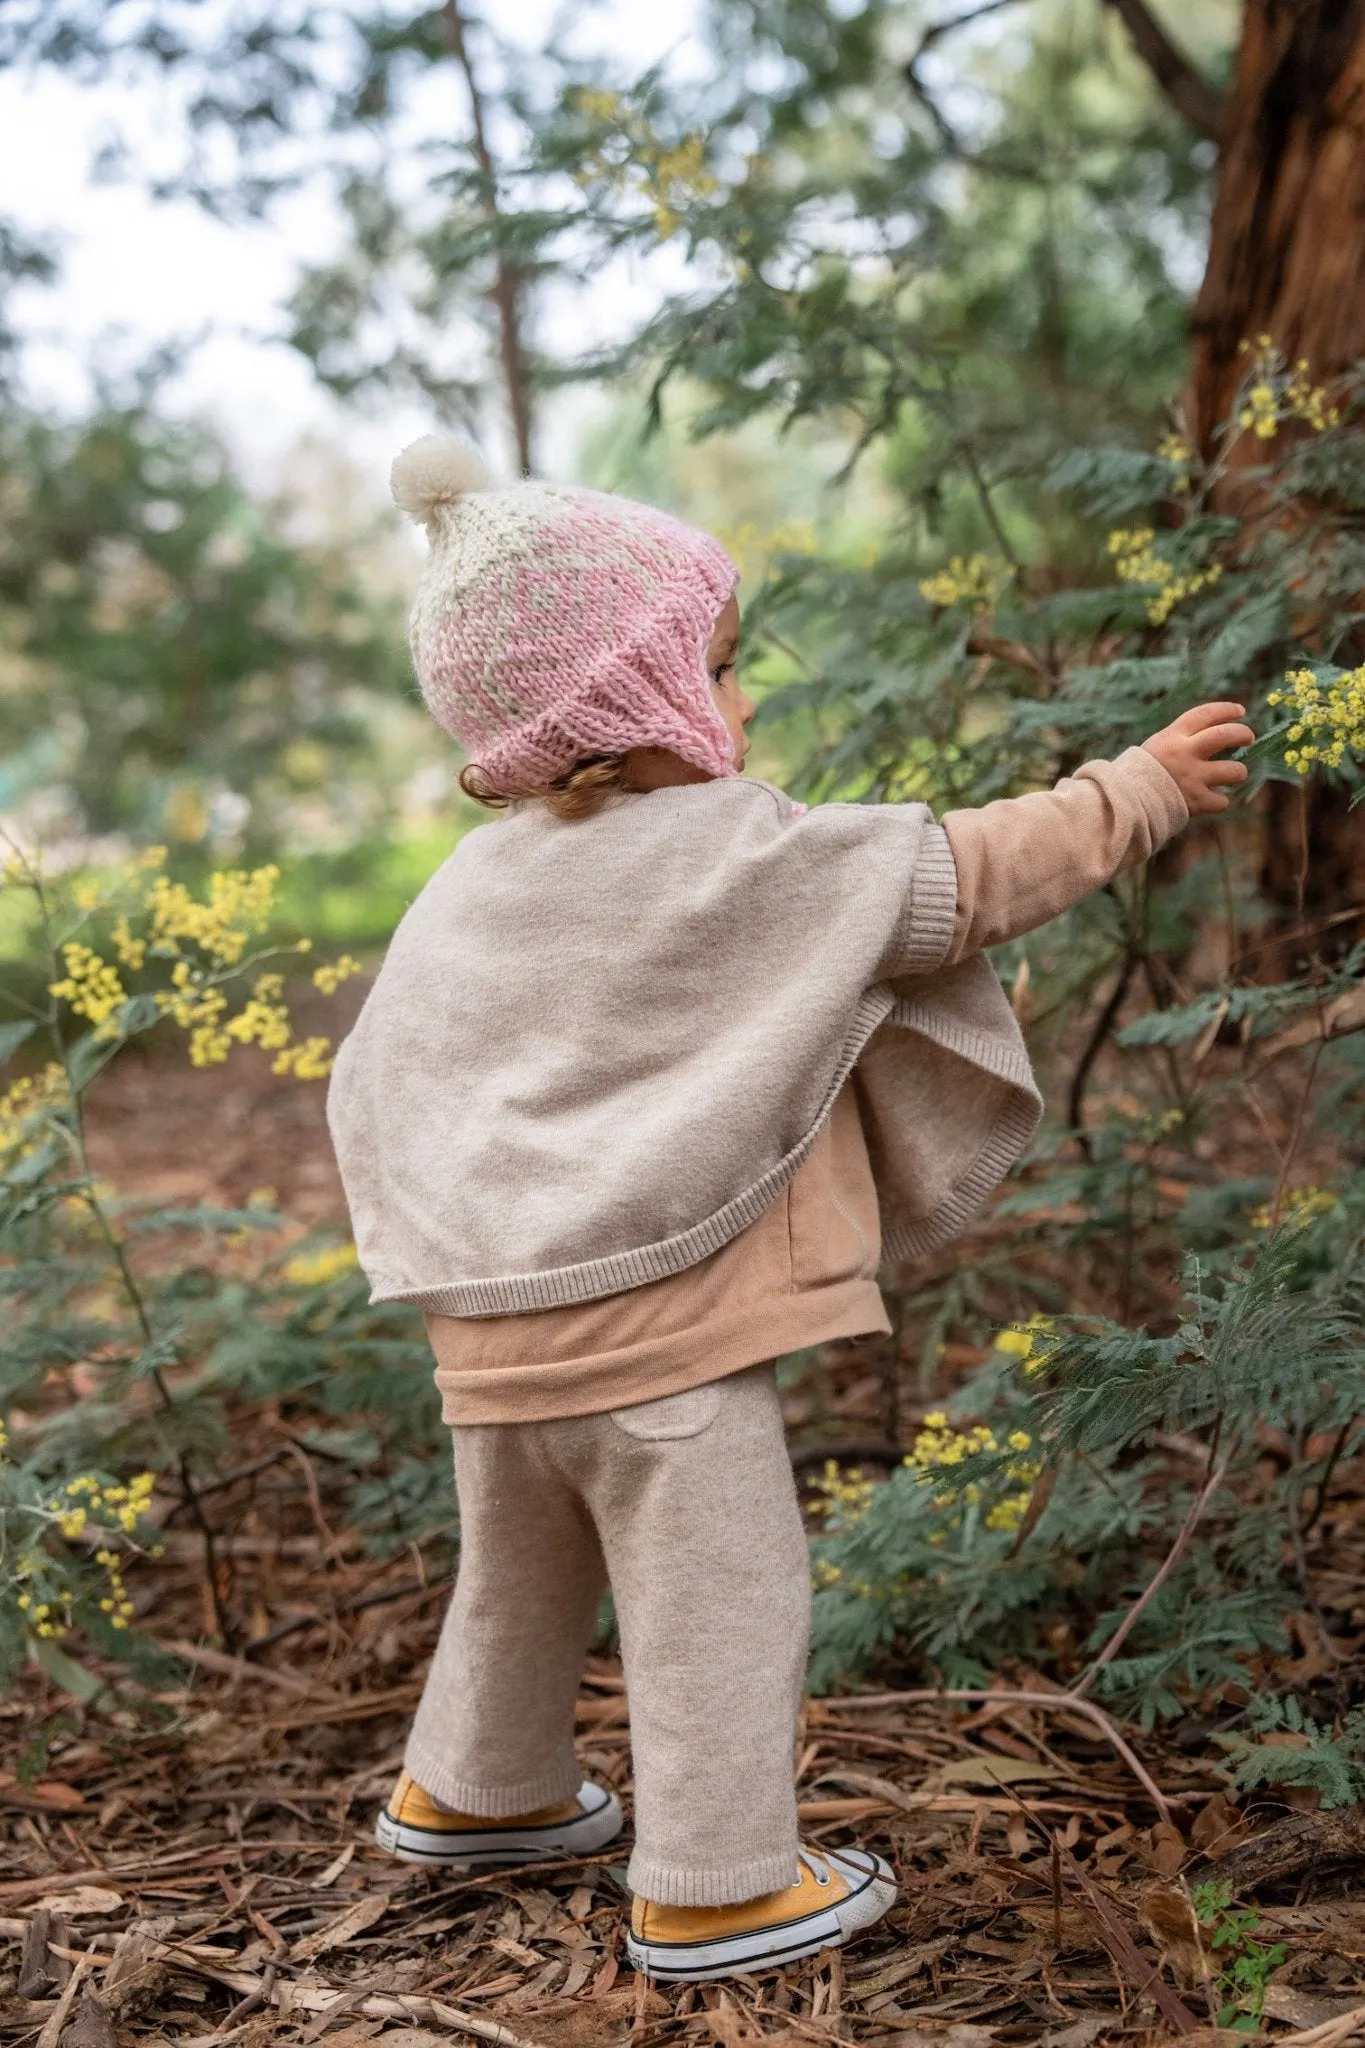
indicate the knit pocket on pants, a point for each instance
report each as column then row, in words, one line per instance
column 672, row 1415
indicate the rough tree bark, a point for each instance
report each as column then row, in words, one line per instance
column 1287, row 239
column 1286, row 259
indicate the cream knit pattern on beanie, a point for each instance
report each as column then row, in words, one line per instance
column 554, row 623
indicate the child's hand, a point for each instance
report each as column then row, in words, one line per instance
column 1186, row 750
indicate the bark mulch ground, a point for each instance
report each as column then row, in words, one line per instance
column 191, row 1860
column 197, row 1864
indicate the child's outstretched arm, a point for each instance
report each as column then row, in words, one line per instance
column 1025, row 859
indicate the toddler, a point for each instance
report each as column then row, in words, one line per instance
column 657, row 1071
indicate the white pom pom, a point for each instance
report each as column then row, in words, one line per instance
column 435, row 471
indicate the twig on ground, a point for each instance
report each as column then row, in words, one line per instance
column 1051, row 1700
column 52, row 2028
column 358, row 1605
column 321, row 1999
column 1144, row 1972
column 1330, row 2034
column 254, row 2000
column 224, row 1666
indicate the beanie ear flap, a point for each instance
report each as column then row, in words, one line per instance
column 433, row 473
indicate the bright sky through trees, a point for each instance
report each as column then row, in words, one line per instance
column 137, row 273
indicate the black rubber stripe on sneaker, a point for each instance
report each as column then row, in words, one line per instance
column 540, row 1827
column 771, row 1959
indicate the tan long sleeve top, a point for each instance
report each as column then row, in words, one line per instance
column 805, row 1271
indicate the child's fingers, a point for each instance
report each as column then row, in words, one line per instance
column 1201, row 797
column 1201, row 715
column 1213, row 739
column 1224, row 771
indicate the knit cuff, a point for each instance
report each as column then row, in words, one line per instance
column 926, row 926
column 1156, row 790
column 668, row 1885
column 490, row 1802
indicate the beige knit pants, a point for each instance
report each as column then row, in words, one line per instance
column 686, row 1506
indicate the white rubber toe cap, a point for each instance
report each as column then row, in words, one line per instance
column 872, row 1888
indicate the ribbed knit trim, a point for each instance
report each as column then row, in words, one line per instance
column 668, row 1886
column 525, row 1293
column 926, row 928
column 1007, row 1140
column 1007, row 1063
column 491, row 1802
column 1167, row 810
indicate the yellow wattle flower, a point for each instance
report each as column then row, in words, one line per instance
column 314, row 1269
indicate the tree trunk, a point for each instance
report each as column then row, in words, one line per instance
column 506, row 292
column 1287, row 242
column 1310, row 887
column 1287, row 260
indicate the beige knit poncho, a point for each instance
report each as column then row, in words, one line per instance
column 597, row 1050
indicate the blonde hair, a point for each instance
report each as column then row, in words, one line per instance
column 579, row 792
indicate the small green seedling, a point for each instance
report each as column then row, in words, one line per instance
column 1247, row 1965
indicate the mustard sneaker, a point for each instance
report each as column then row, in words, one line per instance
column 839, row 1893
column 415, row 1829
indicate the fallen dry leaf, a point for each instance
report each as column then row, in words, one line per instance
column 1218, row 1827
column 988, row 1770
column 81, row 1902
column 1163, row 1849
column 1169, row 1917
column 1305, row 2008
column 364, row 1913
column 49, row 1794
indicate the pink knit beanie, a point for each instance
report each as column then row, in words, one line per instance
column 553, row 623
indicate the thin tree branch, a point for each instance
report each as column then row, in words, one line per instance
column 11, row 995
column 1188, row 91
column 358, row 1605
column 987, row 502
column 1296, row 1132
column 991, row 647
column 1217, row 1474
column 937, row 30
column 506, row 293
column 1104, row 1024
column 947, row 134
column 1305, row 1577
column 1328, row 1469
column 1144, row 1972
column 935, row 33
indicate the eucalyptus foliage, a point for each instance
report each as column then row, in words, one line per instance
column 1273, row 1345
column 1203, row 1428
column 132, row 1330
column 177, row 663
